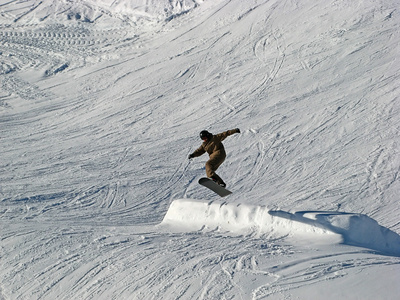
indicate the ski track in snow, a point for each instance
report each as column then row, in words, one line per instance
column 100, row 106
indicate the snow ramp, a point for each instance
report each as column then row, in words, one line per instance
column 236, row 218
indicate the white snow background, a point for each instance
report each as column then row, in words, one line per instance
column 101, row 103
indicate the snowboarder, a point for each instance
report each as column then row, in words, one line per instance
column 212, row 144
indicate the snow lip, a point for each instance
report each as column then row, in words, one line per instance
column 236, row 218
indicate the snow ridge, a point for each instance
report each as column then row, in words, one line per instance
column 353, row 229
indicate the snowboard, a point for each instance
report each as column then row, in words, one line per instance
column 215, row 187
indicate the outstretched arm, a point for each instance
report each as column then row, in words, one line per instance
column 225, row 134
column 199, row 151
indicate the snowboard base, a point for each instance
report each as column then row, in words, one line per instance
column 209, row 183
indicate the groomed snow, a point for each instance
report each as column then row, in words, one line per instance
column 101, row 103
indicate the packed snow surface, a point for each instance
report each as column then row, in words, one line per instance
column 101, row 103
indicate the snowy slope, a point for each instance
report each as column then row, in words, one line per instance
column 101, row 103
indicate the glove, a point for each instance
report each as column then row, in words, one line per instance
column 191, row 156
column 237, row 130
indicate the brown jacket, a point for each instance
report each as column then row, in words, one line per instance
column 214, row 146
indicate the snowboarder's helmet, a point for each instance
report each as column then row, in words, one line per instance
column 205, row 135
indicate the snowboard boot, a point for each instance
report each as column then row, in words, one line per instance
column 218, row 180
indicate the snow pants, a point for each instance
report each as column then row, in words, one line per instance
column 212, row 165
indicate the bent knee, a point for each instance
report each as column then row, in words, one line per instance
column 210, row 171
